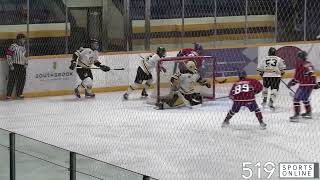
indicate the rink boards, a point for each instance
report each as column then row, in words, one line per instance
column 50, row 75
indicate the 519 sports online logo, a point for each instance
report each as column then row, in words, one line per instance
column 283, row 170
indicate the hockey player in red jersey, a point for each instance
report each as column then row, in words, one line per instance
column 191, row 52
column 243, row 93
column 304, row 75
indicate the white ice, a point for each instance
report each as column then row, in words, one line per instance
column 177, row 144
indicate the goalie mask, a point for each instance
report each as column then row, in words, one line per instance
column 191, row 66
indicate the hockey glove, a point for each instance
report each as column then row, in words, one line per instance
column 292, row 83
column 104, row 68
column 261, row 73
column 73, row 65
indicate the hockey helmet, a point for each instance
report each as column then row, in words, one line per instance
column 161, row 51
column 302, row 55
column 242, row 74
column 21, row 38
column 198, row 48
column 94, row 44
column 272, row 51
column 191, row 66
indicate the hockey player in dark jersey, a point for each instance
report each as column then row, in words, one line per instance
column 304, row 75
column 243, row 93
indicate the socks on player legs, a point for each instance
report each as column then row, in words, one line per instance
column 132, row 87
column 229, row 116
column 296, row 105
column 307, row 106
column 259, row 115
column 273, row 95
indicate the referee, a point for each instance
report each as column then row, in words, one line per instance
column 18, row 62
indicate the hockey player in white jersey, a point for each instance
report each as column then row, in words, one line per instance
column 183, row 87
column 144, row 72
column 271, row 68
column 82, row 60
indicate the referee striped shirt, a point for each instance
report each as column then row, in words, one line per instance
column 16, row 55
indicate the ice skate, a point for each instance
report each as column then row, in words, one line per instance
column 263, row 125
column 306, row 115
column 144, row 93
column 89, row 94
column 295, row 118
column 77, row 93
column 125, row 96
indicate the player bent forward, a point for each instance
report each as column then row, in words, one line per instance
column 271, row 69
column 243, row 93
column 82, row 60
column 304, row 75
column 182, row 92
column 144, row 72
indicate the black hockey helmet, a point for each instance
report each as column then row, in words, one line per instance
column 198, row 47
column 302, row 55
column 20, row 36
column 272, row 51
column 242, row 74
column 94, row 44
column 161, row 51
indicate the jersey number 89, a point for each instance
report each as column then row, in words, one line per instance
column 241, row 88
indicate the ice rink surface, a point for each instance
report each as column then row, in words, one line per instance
column 175, row 144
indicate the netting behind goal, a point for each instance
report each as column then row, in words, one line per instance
column 206, row 67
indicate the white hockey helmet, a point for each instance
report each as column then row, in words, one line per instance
column 191, row 66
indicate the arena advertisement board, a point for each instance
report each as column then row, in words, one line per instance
column 229, row 61
column 49, row 75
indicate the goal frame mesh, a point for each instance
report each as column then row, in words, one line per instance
column 184, row 59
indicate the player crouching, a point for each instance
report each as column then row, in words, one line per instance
column 182, row 92
column 82, row 61
column 304, row 75
column 243, row 93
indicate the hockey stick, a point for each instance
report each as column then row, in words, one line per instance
column 115, row 69
column 292, row 93
column 221, row 82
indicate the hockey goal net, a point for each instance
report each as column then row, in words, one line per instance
column 206, row 67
